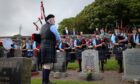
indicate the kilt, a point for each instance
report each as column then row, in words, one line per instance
column 102, row 54
column 48, row 52
column 107, row 53
column 79, row 54
column 118, row 51
column 68, row 58
column 72, row 56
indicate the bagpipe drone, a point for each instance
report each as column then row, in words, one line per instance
column 37, row 37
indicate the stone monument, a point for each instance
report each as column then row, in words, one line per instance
column 15, row 70
column 59, row 67
column 131, row 61
column 90, row 65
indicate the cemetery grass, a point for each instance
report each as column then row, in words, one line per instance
column 111, row 64
column 38, row 81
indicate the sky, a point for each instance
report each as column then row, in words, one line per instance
column 22, row 13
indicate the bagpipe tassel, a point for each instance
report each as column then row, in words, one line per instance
column 36, row 26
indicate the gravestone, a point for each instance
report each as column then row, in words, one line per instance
column 59, row 67
column 131, row 61
column 18, row 53
column 15, row 70
column 90, row 59
column 90, row 62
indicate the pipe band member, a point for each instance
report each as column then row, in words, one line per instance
column 78, row 49
column 119, row 40
column 49, row 39
column 133, row 38
column 105, row 39
column 98, row 45
column 64, row 46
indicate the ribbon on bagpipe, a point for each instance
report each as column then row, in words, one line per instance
column 36, row 26
column 41, row 17
column 42, row 10
column 37, row 37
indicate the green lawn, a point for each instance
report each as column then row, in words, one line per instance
column 73, row 65
column 38, row 81
column 110, row 65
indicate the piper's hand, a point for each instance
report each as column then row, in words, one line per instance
column 116, row 43
column 138, row 44
column 120, row 41
column 62, row 50
column 103, row 43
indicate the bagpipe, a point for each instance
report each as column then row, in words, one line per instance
column 37, row 37
column 104, row 41
column 119, row 37
column 84, row 45
column 66, row 47
column 83, row 41
column 121, row 47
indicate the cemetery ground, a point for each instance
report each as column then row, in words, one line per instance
column 110, row 76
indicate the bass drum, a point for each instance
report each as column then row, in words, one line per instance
column 7, row 43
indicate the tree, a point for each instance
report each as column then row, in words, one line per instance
column 104, row 14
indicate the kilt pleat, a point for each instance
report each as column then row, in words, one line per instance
column 48, row 52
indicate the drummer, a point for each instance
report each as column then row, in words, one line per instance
column 30, row 45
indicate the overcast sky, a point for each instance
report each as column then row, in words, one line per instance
column 14, row 13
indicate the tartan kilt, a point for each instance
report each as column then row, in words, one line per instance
column 48, row 52
column 118, row 51
column 79, row 54
column 102, row 55
column 68, row 58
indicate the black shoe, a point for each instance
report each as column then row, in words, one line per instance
column 79, row 70
column 120, row 71
column 102, row 71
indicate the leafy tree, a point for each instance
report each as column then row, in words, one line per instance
column 105, row 14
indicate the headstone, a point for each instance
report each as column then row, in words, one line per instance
column 59, row 67
column 131, row 60
column 90, row 65
column 18, row 53
column 90, row 60
column 15, row 70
